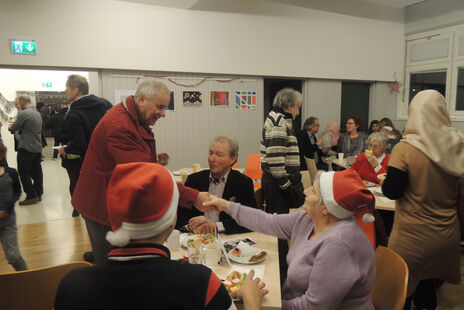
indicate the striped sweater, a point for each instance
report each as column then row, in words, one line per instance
column 280, row 155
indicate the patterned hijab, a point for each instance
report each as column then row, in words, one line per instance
column 429, row 129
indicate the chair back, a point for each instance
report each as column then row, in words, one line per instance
column 33, row 289
column 253, row 169
column 235, row 165
column 391, row 280
column 312, row 169
column 305, row 179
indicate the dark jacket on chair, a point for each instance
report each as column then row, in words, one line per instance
column 237, row 185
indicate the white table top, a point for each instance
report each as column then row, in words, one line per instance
column 271, row 278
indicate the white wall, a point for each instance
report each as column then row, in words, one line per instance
column 186, row 132
column 116, row 34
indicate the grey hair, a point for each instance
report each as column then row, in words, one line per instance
column 233, row 144
column 379, row 136
column 151, row 87
column 24, row 100
column 317, row 186
column 79, row 82
column 286, row 98
column 309, row 123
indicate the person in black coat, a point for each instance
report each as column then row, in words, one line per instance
column 222, row 181
column 308, row 144
column 54, row 123
column 85, row 112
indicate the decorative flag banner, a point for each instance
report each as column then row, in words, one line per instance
column 192, row 99
column 219, row 99
column 245, row 100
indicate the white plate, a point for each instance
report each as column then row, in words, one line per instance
column 184, row 238
column 247, row 252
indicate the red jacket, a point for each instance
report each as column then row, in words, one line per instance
column 366, row 171
column 118, row 138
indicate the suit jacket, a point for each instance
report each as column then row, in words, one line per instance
column 237, row 185
column 307, row 149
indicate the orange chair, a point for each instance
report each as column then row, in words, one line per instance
column 369, row 229
column 253, row 170
column 235, row 166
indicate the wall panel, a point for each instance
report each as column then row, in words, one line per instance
column 186, row 132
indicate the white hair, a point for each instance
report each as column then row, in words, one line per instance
column 151, row 87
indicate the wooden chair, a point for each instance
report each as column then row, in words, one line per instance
column 391, row 280
column 312, row 169
column 33, row 289
column 305, row 179
column 253, row 170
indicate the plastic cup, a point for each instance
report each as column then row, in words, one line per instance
column 340, row 156
column 212, row 254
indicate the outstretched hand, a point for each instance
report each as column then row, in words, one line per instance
column 251, row 292
column 201, row 199
column 217, row 203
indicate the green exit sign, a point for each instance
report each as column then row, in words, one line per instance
column 46, row 84
column 23, row 47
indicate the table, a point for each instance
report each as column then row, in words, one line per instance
column 182, row 174
column 271, row 301
column 382, row 205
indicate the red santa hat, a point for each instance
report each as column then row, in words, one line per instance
column 141, row 200
column 344, row 194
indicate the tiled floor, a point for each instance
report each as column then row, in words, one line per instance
column 56, row 204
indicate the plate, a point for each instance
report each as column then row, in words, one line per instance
column 246, row 254
column 377, row 190
column 185, row 238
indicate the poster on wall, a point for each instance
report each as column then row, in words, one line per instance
column 8, row 109
column 121, row 94
column 50, row 97
column 219, row 99
column 192, row 99
column 245, row 100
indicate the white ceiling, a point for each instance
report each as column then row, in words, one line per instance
column 188, row 4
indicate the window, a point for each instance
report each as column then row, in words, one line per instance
column 427, row 80
column 460, row 90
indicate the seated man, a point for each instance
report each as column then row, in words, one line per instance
column 221, row 181
column 138, row 273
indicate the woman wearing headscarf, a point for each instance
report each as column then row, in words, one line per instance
column 331, row 262
column 423, row 175
column 330, row 137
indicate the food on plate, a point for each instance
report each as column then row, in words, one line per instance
column 236, row 252
column 204, row 238
column 234, row 281
column 258, row 256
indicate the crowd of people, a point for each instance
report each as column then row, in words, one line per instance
column 131, row 203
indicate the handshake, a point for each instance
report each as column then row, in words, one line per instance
column 206, row 202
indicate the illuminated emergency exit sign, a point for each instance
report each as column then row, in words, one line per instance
column 23, row 47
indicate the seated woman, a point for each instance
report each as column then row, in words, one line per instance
column 352, row 142
column 374, row 161
column 373, row 126
column 331, row 262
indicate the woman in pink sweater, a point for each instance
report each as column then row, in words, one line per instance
column 331, row 262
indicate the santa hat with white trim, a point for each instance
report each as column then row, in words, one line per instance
column 344, row 194
column 141, row 200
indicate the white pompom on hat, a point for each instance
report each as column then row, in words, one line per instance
column 141, row 200
column 344, row 194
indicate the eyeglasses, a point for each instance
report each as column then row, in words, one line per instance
column 350, row 123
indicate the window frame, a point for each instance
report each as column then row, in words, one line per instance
column 455, row 114
column 422, row 38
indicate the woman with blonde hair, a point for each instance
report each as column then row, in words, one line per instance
column 423, row 176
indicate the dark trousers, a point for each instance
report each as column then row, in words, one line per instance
column 30, row 169
column 97, row 235
column 424, row 297
column 73, row 175
column 276, row 203
column 55, row 151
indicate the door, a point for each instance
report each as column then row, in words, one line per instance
column 355, row 100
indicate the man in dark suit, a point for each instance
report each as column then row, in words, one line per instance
column 222, row 181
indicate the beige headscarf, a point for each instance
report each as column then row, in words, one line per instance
column 429, row 129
